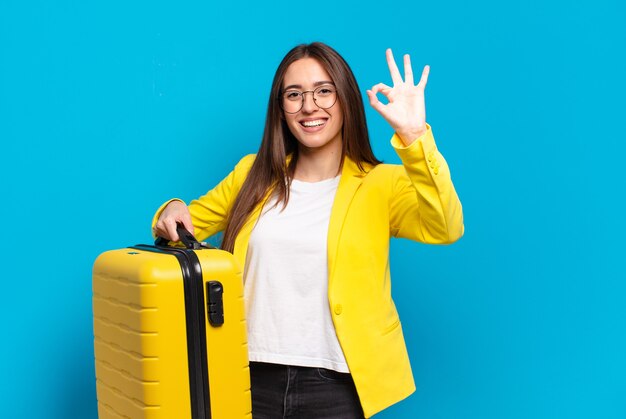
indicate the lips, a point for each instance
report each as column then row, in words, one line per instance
column 313, row 123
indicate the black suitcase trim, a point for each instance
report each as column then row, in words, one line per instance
column 195, row 326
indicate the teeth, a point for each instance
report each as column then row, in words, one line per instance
column 315, row 123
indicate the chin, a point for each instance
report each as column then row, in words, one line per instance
column 317, row 143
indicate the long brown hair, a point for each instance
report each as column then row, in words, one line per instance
column 270, row 170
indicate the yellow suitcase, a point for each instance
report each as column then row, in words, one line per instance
column 170, row 333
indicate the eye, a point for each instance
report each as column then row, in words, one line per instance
column 325, row 91
column 292, row 95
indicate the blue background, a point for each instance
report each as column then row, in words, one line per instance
column 109, row 108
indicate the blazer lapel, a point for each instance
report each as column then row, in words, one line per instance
column 351, row 177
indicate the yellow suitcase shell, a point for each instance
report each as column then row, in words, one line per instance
column 150, row 361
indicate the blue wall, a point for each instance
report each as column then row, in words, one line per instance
column 109, row 108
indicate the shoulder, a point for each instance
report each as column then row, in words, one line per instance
column 244, row 165
column 239, row 173
column 246, row 162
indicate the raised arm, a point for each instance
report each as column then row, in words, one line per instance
column 424, row 204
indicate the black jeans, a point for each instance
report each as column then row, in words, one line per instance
column 282, row 391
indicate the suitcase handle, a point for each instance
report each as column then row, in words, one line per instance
column 185, row 236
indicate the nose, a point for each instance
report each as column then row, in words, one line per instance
column 308, row 103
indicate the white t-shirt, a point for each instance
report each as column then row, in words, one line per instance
column 286, row 281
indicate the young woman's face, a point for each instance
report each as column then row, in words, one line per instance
column 313, row 126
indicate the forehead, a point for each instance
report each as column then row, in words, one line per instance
column 305, row 72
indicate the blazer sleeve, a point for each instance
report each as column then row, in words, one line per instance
column 424, row 205
column 209, row 213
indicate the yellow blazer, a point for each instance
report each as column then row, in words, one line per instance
column 415, row 200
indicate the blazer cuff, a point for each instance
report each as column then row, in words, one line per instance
column 418, row 149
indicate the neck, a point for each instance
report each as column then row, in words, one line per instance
column 315, row 165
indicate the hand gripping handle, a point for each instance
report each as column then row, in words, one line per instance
column 185, row 236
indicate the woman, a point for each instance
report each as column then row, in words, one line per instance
column 309, row 218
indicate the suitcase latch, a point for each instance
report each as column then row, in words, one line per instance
column 215, row 303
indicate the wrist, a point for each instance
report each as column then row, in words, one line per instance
column 408, row 136
column 175, row 202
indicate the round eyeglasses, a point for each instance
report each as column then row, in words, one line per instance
column 324, row 97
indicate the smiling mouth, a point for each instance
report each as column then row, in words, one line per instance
column 313, row 123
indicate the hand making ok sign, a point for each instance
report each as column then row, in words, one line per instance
column 406, row 110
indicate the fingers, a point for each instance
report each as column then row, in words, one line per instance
column 170, row 227
column 371, row 94
column 382, row 88
column 186, row 220
column 424, row 78
column 393, row 68
column 374, row 101
column 163, row 228
column 408, row 71
column 175, row 212
column 380, row 107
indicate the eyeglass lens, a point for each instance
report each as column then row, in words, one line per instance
column 323, row 96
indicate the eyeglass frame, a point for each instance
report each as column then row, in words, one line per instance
column 280, row 98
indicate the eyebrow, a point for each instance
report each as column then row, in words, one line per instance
column 317, row 83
